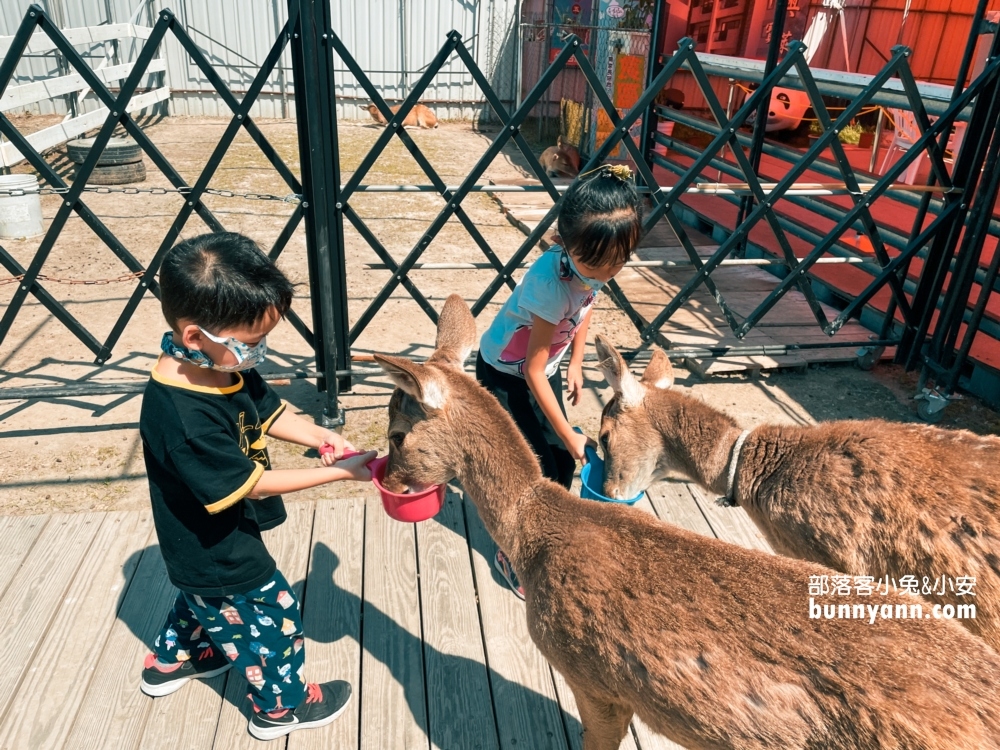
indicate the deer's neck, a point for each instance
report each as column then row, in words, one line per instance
column 500, row 473
column 700, row 437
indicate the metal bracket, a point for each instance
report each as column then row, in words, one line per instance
column 337, row 421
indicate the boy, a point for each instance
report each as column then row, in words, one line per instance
column 206, row 415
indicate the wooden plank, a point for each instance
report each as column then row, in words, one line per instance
column 673, row 503
column 288, row 546
column 35, row 595
column 524, row 696
column 17, row 536
column 69, row 129
column 647, row 739
column 80, row 36
column 114, row 711
column 460, row 710
column 729, row 524
column 29, row 93
column 42, row 710
column 186, row 719
column 332, row 615
column 393, row 707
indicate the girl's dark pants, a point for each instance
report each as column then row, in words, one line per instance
column 515, row 396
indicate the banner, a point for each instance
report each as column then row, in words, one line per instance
column 569, row 17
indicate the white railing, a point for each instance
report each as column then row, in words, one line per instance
column 73, row 84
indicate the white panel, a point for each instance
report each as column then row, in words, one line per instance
column 236, row 36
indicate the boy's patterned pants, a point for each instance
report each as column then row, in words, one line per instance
column 260, row 631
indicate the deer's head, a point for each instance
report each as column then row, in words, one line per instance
column 429, row 411
column 630, row 435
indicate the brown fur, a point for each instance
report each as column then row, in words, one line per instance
column 420, row 116
column 561, row 160
column 710, row 644
column 863, row 497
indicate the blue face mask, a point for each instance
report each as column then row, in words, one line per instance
column 246, row 356
column 592, row 284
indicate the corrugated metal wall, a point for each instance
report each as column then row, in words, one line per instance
column 392, row 40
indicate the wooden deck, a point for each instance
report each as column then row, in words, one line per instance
column 700, row 322
column 414, row 616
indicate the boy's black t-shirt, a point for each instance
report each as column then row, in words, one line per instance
column 205, row 449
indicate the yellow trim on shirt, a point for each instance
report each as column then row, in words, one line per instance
column 235, row 497
column 198, row 388
column 266, row 424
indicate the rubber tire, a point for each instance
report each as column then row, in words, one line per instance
column 118, row 151
column 926, row 415
column 118, row 174
column 870, row 358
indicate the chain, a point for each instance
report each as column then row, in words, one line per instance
column 100, row 190
column 76, row 282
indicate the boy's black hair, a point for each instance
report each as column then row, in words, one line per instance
column 600, row 220
column 221, row 281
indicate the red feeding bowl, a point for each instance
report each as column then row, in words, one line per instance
column 412, row 506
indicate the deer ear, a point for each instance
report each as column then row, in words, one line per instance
column 659, row 372
column 414, row 379
column 456, row 333
column 617, row 374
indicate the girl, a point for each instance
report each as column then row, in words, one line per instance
column 600, row 224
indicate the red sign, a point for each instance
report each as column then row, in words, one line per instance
column 576, row 9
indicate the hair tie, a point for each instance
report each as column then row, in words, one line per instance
column 621, row 172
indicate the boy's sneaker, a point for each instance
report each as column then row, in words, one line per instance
column 159, row 680
column 324, row 703
column 502, row 563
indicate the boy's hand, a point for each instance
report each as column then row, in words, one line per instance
column 339, row 445
column 576, row 442
column 574, row 383
column 356, row 467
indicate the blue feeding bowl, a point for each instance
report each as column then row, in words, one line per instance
column 592, row 478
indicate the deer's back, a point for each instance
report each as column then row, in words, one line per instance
column 881, row 499
column 712, row 644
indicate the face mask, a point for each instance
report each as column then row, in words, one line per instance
column 592, row 284
column 246, row 356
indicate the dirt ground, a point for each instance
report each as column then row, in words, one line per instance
column 74, row 454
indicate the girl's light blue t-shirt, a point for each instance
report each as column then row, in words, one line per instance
column 550, row 290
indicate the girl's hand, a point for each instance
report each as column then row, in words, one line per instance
column 356, row 467
column 574, row 383
column 576, row 442
column 335, row 441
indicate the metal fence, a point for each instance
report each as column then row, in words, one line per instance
column 948, row 236
column 393, row 40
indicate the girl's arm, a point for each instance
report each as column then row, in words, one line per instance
column 534, row 374
column 574, row 373
column 294, row 429
column 280, row 481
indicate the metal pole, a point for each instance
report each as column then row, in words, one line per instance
column 281, row 68
column 918, row 222
column 970, row 160
column 757, row 140
column 878, row 139
column 115, row 56
column 518, row 58
column 316, row 118
column 654, row 65
column 402, row 49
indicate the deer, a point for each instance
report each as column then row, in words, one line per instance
column 711, row 644
column 421, row 116
column 864, row 497
column 561, row 160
